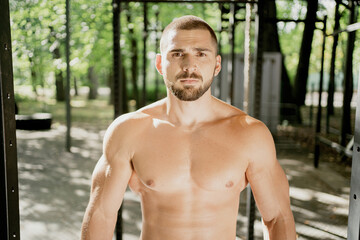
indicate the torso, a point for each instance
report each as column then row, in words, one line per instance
column 189, row 181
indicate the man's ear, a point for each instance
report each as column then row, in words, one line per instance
column 158, row 63
column 218, row 65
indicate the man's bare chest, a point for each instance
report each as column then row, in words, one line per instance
column 168, row 160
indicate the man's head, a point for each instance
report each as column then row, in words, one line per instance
column 188, row 22
column 188, row 60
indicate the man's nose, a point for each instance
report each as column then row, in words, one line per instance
column 189, row 64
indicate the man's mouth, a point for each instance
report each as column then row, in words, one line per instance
column 189, row 80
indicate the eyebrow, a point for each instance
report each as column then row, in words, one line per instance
column 196, row 49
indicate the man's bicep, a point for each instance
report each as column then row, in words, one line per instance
column 109, row 182
column 270, row 188
column 267, row 179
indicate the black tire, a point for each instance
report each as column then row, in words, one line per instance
column 37, row 121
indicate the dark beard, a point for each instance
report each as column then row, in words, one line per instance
column 189, row 93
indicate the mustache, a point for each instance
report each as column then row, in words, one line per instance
column 188, row 75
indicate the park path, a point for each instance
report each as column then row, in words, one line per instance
column 54, row 188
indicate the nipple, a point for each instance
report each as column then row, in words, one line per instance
column 229, row 184
column 150, row 183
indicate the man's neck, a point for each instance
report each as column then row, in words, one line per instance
column 189, row 114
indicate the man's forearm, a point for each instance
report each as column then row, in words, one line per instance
column 97, row 227
column 282, row 228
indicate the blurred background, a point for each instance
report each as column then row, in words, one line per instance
column 300, row 57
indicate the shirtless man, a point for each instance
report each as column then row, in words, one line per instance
column 189, row 155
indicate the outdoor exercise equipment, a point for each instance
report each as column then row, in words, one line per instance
column 9, row 191
column 344, row 147
column 9, row 200
column 354, row 208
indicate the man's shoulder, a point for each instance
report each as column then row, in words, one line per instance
column 128, row 121
column 246, row 125
column 134, row 121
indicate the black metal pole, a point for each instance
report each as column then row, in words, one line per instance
column 67, row 92
column 219, row 47
column 232, row 49
column 250, row 205
column 348, row 78
column 311, row 105
column 145, row 35
column 9, row 191
column 157, row 79
column 118, row 87
column 331, row 87
column 318, row 117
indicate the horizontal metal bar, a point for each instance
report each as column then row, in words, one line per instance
column 344, row 4
column 335, row 146
column 189, row 1
column 349, row 28
column 289, row 20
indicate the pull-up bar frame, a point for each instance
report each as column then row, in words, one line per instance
column 9, row 191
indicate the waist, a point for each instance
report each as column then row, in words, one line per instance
column 152, row 231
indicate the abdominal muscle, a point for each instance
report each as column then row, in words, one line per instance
column 192, row 213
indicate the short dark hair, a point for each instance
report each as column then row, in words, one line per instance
column 188, row 22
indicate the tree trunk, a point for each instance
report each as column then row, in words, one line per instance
column 134, row 59
column 271, row 43
column 33, row 77
column 111, row 87
column 93, row 84
column 59, row 79
column 59, row 83
column 331, row 88
column 124, row 95
column 302, row 72
column 348, row 79
column 124, row 101
column 76, row 87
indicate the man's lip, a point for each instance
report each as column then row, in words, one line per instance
column 189, row 80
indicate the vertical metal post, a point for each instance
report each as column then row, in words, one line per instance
column 259, row 19
column 348, row 78
column 118, row 86
column 145, row 35
column 247, row 56
column 258, row 59
column 9, row 191
column 220, row 29
column 354, row 208
column 311, row 105
column 157, row 80
column 231, row 67
column 331, row 88
column 319, row 110
column 67, row 92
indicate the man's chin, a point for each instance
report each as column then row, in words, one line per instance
column 186, row 96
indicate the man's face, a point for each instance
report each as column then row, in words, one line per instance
column 188, row 63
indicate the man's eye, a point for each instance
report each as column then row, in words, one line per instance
column 201, row 54
column 177, row 54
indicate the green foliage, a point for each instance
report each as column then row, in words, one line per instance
column 91, row 37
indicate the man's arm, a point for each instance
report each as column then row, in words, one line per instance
column 269, row 185
column 109, row 181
